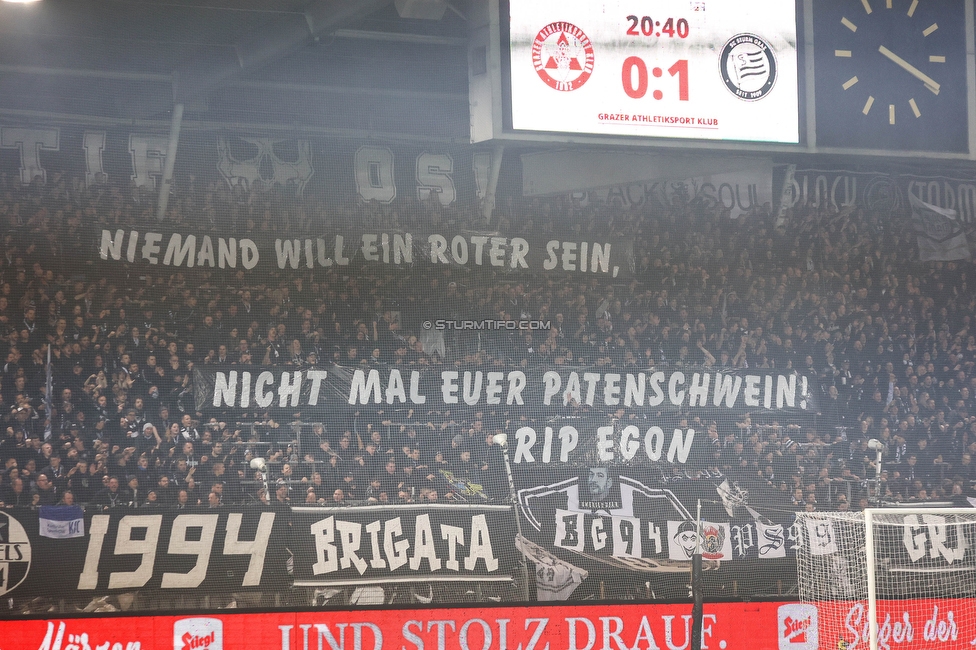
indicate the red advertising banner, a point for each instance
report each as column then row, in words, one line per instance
column 726, row 626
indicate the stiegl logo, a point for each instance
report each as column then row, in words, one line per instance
column 198, row 634
column 798, row 627
column 796, row 630
column 191, row 642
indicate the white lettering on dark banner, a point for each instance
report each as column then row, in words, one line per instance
column 190, row 535
column 267, row 387
column 29, row 144
column 620, row 536
column 435, row 175
column 839, row 189
column 607, row 389
column 678, row 389
column 932, row 532
column 388, row 248
column 376, row 180
column 235, row 388
column 93, row 143
column 610, row 449
column 148, row 154
column 176, row 250
column 341, row 544
column 737, row 193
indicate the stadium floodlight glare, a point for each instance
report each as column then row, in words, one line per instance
column 21, row 2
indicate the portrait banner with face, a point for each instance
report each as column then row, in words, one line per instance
column 610, row 519
column 602, row 491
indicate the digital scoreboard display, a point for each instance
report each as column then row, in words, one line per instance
column 696, row 69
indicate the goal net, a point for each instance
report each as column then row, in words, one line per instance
column 887, row 578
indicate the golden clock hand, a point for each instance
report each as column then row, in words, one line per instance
column 929, row 82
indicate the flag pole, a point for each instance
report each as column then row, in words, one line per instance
column 501, row 440
column 697, row 587
column 48, row 401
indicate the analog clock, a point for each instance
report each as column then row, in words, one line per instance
column 891, row 74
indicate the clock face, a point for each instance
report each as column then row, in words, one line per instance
column 891, row 74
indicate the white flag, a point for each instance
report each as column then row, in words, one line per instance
column 732, row 496
column 554, row 578
column 940, row 235
column 772, row 537
column 823, row 541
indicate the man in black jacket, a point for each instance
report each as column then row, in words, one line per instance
column 44, row 493
column 15, row 496
column 110, row 496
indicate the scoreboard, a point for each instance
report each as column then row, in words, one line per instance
column 669, row 69
column 888, row 77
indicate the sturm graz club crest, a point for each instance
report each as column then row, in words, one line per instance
column 748, row 67
column 563, row 56
column 15, row 553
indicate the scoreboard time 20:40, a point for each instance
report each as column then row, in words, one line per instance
column 647, row 26
column 701, row 70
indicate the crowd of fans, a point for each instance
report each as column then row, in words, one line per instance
column 839, row 296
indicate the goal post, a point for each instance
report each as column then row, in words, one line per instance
column 889, row 577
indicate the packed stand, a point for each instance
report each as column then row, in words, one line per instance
column 839, row 296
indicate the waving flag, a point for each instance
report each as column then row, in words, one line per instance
column 940, row 235
column 555, row 579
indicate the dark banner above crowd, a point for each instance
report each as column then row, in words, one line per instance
column 556, row 389
column 605, row 520
column 375, row 544
column 611, row 527
column 448, row 174
column 469, row 249
column 225, row 550
column 451, row 174
column 886, row 192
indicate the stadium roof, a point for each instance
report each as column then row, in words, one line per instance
column 329, row 66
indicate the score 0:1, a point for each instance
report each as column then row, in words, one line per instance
column 631, row 63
